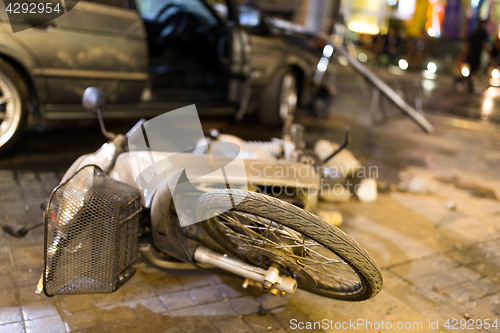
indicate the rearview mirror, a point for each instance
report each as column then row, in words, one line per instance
column 93, row 99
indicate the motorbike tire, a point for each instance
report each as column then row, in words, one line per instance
column 305, row 223
column 13, row 80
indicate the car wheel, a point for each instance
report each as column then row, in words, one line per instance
column 279, row 99
column 14, row 101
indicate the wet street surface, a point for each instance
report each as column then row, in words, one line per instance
column 440, row 261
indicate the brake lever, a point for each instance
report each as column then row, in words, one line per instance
column 344, row 144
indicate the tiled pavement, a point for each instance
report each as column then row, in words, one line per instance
column 151, row 301
column 437, row 263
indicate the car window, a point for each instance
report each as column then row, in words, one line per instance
column 150, row 8
column 114, row 3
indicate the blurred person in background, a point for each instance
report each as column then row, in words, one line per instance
column 471, row 53
column 388, row 46
column 495, row 51
column 416, row 50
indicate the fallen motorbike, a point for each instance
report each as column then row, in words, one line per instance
column 101, row 219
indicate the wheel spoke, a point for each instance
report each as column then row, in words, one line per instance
column 329, row 275
column 5, row 99
column 315, row 259
column 245, row 227
column 232, row 232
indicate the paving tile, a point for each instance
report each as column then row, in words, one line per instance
column 8, row 297
column 228, row 292
column 6, row 280
column 232, row 325
column 218, row 310
column 205, row 294
column 284, row 315
column 447, row 278
column 12, row 328
column 488, row 307
column 28, row 278
column 261, row 323
column 82, row 319
column 209, row 328
column 130, row 326
column 39, row 310
column 107, row 299
column 269, row 301
column 425, row 266
column 71, row 303
column 139, row 291
column 45, row 325
column 147, row 307
column 95, row 329
column 471, row 290
column 166, row 284
column 193, row 281
column 245, row 305
column 115, row 312
column 177, row 300
column 188, row 318
column 27, row 295
column 159, row 324
column 10, row 314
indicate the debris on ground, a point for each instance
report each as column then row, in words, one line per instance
column 384, row 186
column 344, row 164
column 344, row 176
column 417, row 185
column 333, row 217
column 474, row 189
column 335, row 194
column 366, row 191
column 451, row 205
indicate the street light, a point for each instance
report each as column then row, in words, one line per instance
column 465, row 71
column 403, row 64
column 432, row 67
column 495, row 74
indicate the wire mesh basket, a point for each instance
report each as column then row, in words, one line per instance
column 91, row 234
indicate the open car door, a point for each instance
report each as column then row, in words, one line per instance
column 239, row 59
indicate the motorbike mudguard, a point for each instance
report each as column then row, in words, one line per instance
column 165, row 227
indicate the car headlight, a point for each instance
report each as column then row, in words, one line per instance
column 465, row 71
column 495, row 74
column 403, row 64
column 432, row 67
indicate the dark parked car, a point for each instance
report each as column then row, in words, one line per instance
column 154, row 56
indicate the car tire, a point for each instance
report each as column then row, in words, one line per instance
column 14, row 103
column 279, row 98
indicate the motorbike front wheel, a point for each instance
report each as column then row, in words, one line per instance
column 264, row 231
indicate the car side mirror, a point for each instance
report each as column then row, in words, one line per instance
column 93, row 99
